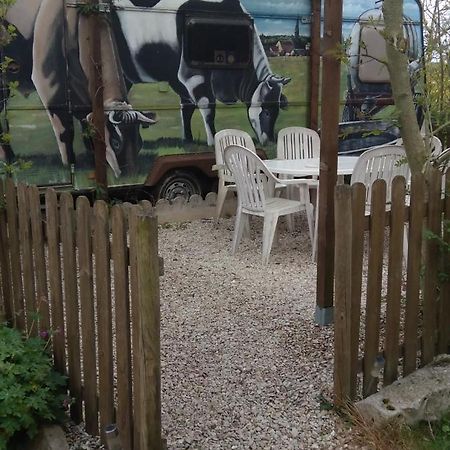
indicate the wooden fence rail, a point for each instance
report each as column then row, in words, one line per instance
column 92, row 276
column 404, row 326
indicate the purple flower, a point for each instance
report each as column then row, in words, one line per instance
column 44, row 334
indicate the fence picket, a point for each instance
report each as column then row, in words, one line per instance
column 31, row 308
column 394, row 281
column 375, row 268
column 149, row 307
column 343, row 295
column 72, row 241
column 71, row 303
column 39, row 257
column 432, row 265
column 358, row 222
column 5, row 267
column 444, row 300
column 84, row 244
column 416, row 216
column 119, row 256
column 104, row 314
column 134, row 297
column 14, row 242
column 54, row 279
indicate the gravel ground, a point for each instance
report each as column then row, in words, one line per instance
column 243, row 365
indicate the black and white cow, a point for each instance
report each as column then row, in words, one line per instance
column 151, row 49
column 51, row 51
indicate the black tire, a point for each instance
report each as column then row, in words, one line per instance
column 179, row 183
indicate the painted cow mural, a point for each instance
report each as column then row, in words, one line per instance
column 44, row 63
column 145, row 40
column 197, row 65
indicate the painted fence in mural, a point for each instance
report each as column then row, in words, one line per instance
column 92, row 275
column 405, row 319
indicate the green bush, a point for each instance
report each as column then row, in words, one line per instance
column 31, row 392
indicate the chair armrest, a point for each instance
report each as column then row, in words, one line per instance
column 298, row 181
column 216, row 167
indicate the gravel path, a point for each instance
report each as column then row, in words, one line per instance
column 243, row 365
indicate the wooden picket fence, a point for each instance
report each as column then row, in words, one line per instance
column 92, row 275
column 401, row 331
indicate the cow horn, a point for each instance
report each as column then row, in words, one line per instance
column 111, row 117
column 277, row 79
column 143, row 118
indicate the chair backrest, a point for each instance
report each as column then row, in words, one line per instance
column 298, row 143
column 254, row 182
column 435, row 144
column 222, row 140
column 444, row 157
column 385, row 162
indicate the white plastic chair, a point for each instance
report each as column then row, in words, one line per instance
column 256, row 196
column 381, row 162
column 443, row 160
column 222, row 140
column 298, row 143
column 435, row 145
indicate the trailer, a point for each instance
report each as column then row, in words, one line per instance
column 174, row 72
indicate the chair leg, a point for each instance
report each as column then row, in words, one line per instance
column 290, row 222
column 269, row 228
column 405, row 244
column 309, row 209
column 316, row 228
column 246, row 231
column 238, row 230
column 221, row 196
column 311, row 225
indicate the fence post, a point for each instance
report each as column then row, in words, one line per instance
column 416, row 216
column 394, row 282
column 149, row 336
column 444, row 301
column 374, row 284
column 430, row 289
column 358, row 223
column 343, row 298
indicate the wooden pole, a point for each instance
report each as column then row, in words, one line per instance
column 314, row 65
column 331, row 74
column 149, row 331
column 98, row 113
column 342, row 327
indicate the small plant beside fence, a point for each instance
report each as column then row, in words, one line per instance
column 92, row 273
column 410, row 328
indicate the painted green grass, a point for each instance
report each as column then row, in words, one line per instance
column 33, row 137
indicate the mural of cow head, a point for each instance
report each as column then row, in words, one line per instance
column 265, row 106
column 122, row 137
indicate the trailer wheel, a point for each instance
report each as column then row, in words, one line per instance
column 179, row 183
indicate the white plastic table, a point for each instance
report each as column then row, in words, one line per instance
column 309, row 167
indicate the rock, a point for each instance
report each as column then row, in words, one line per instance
column 422, row 395
column 50, row 437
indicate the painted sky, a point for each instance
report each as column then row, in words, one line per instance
column 285, row 12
